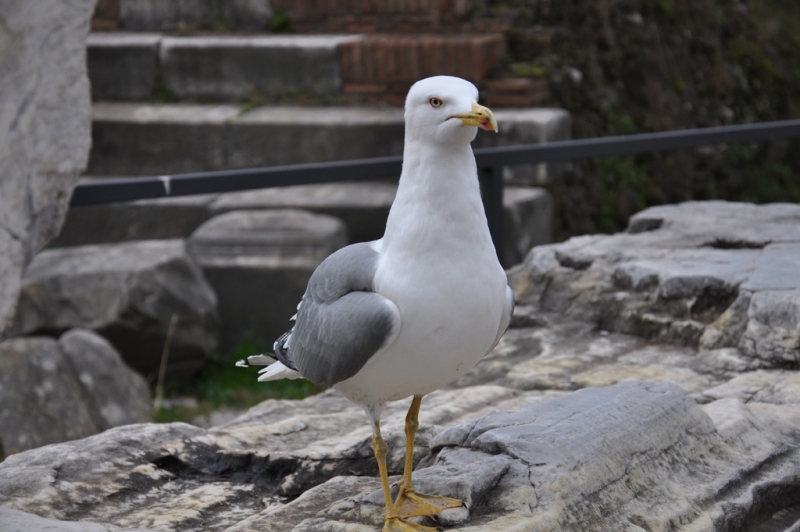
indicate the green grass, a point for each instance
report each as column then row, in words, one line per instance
column 280, row 22
column 222, row 384
column 529, row 70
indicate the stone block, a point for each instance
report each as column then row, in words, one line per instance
column 122, row 66
column 236, row 68
column 52, row 391
column 37, row 381
column 527, row 221
column 362, row 206
column 157, row 219
column 44, row 127
column 259, row 263
column 114, row 394
column 128, row 294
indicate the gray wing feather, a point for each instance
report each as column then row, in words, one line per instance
column 341, row 322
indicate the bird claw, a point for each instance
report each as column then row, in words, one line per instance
column 409, row 503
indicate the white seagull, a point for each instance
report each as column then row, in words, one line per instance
column 409, row 313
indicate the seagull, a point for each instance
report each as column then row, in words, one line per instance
column 407, row 314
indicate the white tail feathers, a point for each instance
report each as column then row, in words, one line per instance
column 276, row 372
column 256, row 360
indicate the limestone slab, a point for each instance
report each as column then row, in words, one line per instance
column 633, row 454
column 44, row 127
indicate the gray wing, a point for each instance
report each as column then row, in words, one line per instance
column 341, row 322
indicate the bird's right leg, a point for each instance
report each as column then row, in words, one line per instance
column 392, row 522
column 409, row 503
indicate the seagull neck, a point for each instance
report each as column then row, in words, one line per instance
column 438, row 198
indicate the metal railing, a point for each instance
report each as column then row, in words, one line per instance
column 491, row 162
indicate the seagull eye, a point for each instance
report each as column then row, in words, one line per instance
column 435, row 102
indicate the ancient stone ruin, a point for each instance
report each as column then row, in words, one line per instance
column 634, row 391
column 650, row 379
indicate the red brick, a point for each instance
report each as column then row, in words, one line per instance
column 509, row 84
column 404, row 59
column 397, row 16
column 375, row 88
column 516, row 92
column 106, row 15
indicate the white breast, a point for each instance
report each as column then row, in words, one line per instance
column 439, row 267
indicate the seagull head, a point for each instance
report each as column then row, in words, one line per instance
column 445, row 110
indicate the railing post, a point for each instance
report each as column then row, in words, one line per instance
column 491, row 179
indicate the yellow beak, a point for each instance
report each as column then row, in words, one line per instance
column 481, row 116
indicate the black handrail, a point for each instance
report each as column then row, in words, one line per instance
column 491, row 161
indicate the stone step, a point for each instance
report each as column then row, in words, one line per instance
column 136, row 66
column 363, row 207
column 158, row 139
column 302, row 16
column 182, row 15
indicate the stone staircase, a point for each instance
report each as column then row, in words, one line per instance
column 191, row 86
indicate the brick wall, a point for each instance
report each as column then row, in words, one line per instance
column 389, row 64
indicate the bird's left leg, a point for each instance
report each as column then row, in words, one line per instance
column 409, row 503
column 393, row 522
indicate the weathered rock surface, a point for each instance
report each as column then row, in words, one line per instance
column 44, row 127
column 16, row 521
column 128, row 294
column 708, row 274
column 640, row 454
column 555, row 430
column 259, row 263
column 51, row 391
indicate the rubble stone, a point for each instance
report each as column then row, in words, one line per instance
column 128, row 294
